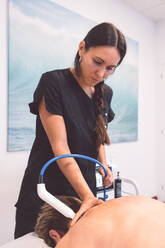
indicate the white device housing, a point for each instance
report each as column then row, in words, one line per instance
column 54, row 202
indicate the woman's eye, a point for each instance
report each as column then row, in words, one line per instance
column 111, row 68
column 97, row 62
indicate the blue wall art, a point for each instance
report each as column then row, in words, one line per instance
column 43, row 36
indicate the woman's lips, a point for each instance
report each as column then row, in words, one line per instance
column 96, row 80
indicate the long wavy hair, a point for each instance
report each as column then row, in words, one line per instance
column 104, row 34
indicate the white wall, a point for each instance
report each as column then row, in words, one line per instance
column 136, row 159
column 12, row 165
column 160, row 108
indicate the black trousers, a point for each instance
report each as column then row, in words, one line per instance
column 25, row 221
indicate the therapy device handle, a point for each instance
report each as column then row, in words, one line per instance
column 54, row 202
column 73, row 156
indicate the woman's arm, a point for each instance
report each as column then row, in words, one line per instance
column 54, row 126
column 102, row 155
column 108, row 180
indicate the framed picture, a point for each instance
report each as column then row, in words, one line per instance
column 45, row 36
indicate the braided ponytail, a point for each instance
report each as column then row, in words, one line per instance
column 100, row 131
column 103, row 34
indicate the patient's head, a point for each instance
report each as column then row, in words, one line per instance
column 52, row 225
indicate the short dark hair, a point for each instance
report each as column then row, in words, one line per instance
column 49, row 218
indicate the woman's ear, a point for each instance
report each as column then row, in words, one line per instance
column 81, row 49
column 54, row 235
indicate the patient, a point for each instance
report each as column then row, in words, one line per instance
column 126, row 222
column 52, row 225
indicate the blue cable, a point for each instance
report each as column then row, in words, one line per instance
column 73, row 156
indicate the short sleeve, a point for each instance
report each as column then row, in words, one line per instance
column 107, row 102
column 48, row 87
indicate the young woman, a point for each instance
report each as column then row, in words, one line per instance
column 73, row 109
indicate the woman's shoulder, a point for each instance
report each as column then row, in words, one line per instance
column 108, row 92
column 107, row 89
column 56, row 74
column 54, row 79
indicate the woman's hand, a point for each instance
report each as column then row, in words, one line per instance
column 107, row 180
column 86, row 204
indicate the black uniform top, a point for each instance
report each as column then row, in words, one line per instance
column 63, row 96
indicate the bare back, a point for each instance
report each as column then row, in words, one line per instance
column 126, row 222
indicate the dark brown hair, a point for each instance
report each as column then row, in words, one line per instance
column 49, row 218
column 102, row 35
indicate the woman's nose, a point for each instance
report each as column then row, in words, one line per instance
column 101, row 73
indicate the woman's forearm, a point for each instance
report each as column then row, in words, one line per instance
column 55, row 128
column 71, row 171
column 102, row 155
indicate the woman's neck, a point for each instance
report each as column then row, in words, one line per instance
column 86, row 88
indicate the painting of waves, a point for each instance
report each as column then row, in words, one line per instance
column 44, row 36
column 124, row 82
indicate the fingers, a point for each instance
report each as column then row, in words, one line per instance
column 77, row 217
column 86, row 204
column 102, row 172
column 84, row 207
column 108, row 180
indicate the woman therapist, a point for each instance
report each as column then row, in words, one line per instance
column 73, row 109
